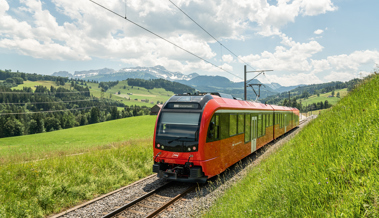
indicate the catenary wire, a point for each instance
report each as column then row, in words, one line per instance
column 53, row 102
column 163, row 38
column 37, row 93
column 210, row 34
column 39, row 112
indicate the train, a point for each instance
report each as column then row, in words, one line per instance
column 198, row 136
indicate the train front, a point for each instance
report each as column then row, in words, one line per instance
column 176, row 139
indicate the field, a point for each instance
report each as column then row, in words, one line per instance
column 32, row 84
column 112, row 154
column 75, row 140
column 139, row 93
column 324, row 97
column 330, row 169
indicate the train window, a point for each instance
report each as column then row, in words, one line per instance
column 259, row 125
column 240, row 123
column 233, row 124
column 224, row 124
column 214, row 129
column 264, row 125
column 247, row 128
column 217, row 128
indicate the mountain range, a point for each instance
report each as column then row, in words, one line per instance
column 202, row 83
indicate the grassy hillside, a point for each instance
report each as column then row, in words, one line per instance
column 330, row 169
column 323, row 97
column 37, row 189
column 32, row 84
column 139, row 93
column 109, row 155
column 76, row 139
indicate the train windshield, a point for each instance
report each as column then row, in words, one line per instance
column 178, row 125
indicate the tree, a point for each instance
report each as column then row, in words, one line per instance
column 95, row 115
column 333, row 93
column 13, row 127
column 338, row 94
column 51, row 124
column 114, row 113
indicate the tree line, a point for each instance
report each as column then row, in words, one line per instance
column 175, row 87
column 69, row 108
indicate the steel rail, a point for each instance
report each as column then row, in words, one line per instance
column 158, row 210
column 124, row 207
column 171, row 202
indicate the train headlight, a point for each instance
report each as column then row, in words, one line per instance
column 194, row 148
column 158, row 145
column 189, row 149
column 162, row 147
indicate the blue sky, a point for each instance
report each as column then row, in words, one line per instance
column 303, row 41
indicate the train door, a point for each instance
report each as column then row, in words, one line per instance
column 253, row 134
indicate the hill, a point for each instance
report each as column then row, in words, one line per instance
column 328, row 170
column 74, row 140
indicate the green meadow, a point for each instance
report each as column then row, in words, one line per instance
column 139, row 93
column 46, row 173
column 75, row 140
column 330, row 169
column 325, row 97
column 32, row 85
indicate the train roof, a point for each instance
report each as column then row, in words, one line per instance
column 225, row 100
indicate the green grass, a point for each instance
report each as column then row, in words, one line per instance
column 139, row 93
column 324, row 97
column 32, row 85
column 330, row 169
column 37, row 189
column 75, row 140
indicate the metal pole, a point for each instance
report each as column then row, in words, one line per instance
column 244, row 88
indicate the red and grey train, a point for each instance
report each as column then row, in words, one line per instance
column 199, row 136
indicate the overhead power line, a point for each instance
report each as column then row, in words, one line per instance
column 210, row 34
column 38, row 93
column 39, row 112
column 52, row 102
column 163, row 38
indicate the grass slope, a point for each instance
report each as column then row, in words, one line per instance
column 324, row 97
column 37, row 189
column 32, row 85
column 139, row 93
column 329, row 169
column 76, row 139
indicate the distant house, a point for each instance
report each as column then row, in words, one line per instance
column 155, row 109
column 330, row 96
column 143, row 100
column 130, row 93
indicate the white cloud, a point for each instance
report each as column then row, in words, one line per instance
column 227, row 58
column 315, row 7
column 318, row 32
column 292, row 57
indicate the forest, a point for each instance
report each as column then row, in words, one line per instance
column 46, row 109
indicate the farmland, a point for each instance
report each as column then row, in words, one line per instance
column 328, row 170
column 109, row 155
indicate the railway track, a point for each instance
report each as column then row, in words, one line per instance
column 152, row 203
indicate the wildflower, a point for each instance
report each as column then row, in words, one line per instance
column 327, row 182
column 326, row 178
column 319, row 183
